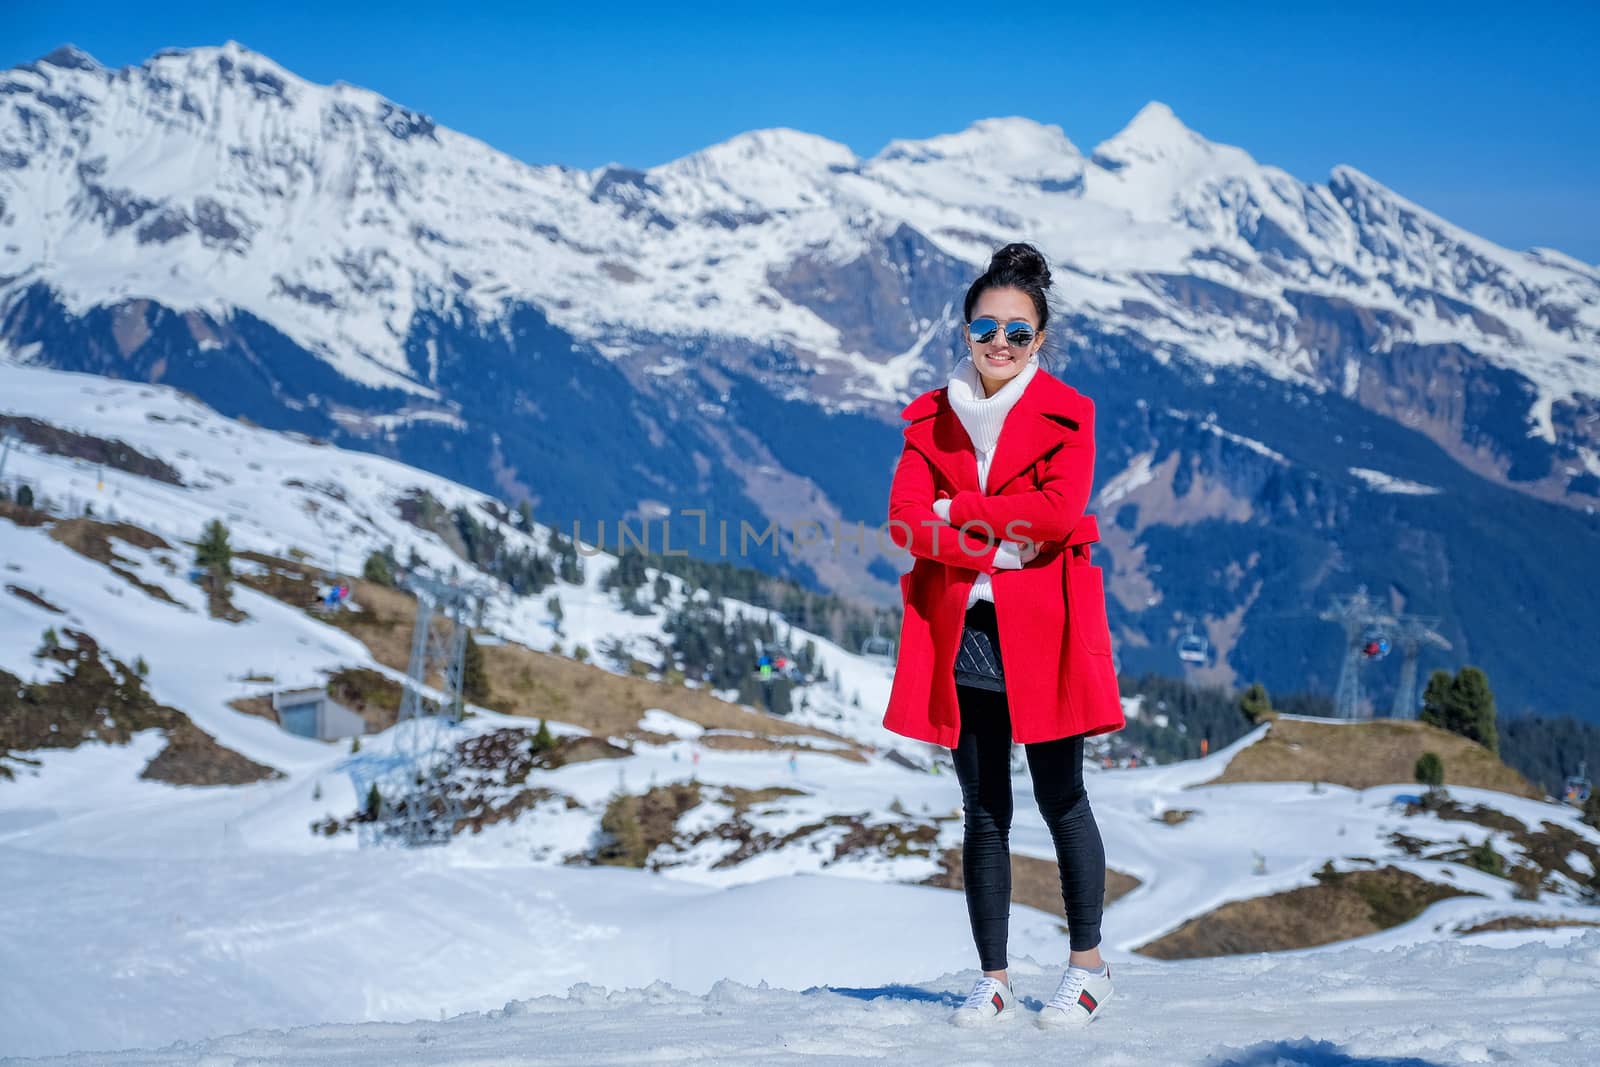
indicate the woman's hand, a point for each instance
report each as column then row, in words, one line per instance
column 1011, row 555
column 1014, row 555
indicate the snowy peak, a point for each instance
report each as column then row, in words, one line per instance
column 212, row 177
column 230, row 64
column 990, row 158
column 1155, row 135
column 762, row 169
column 71, row 57
column 1002, row 143
column 778, row 148
column 780, row 143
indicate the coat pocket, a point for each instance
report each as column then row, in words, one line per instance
column 1086, row 608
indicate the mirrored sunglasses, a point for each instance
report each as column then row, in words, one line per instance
column 1018, row 334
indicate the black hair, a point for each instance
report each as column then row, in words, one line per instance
column 1016, row 266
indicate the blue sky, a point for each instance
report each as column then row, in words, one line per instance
column 1487, row 115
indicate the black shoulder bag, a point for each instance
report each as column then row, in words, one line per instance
column 978, row 659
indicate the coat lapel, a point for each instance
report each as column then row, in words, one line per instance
column 1032, row 431
column 940, row 436
column 1028, row 437
column 1046, row 415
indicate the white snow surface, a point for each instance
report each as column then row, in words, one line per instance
column 336, row 215
column 1389, row 483
column 145, row 916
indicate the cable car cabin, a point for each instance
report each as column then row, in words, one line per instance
column 1577, row 789
column 878, row 648
column 1193, row 647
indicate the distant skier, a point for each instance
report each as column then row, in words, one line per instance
column 989, row 497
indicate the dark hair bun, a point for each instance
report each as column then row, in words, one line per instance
column 1023, row 259
column 1016, row 266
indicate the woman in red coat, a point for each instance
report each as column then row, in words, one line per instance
column 1004, row 636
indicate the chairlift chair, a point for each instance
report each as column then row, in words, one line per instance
column 1193, row 647
column 1578, row 787
column 877, row 646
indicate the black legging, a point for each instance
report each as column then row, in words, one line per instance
column 983, row 766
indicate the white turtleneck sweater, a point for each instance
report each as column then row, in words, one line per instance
column 984, row 417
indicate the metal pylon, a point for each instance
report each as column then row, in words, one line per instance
column 419, row 808
column 7, row 441
column 1355, row 613
column 1412, row 632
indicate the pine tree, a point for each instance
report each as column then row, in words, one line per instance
column 474, row 680
column 1255, row 704
column 355, row 745
column 625, row 845
column 25, row 496
column 1476, row 701
column 1463, row 705
column 214, row 555
column 543, row 741
column 374, row 802
column 1487, row 860
column 569, row 567
column 1430, row 769
column 1435, row 699
column 380, row 568
column 628, row 575
column 1591, row 809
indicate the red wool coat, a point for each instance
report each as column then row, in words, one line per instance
column 1054, row 640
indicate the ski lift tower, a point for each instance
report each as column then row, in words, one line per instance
column 1412, row 632
column 7, row 440
column 1357, row 613
column 422, row 811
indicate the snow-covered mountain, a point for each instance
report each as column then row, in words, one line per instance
column 145, row 913
column 212, row 179
column 731, row 332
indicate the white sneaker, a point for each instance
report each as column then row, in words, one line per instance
column 1079, row 998
column 991, row 1000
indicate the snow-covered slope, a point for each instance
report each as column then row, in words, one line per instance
column 1428, row 1006
column 280, row 495
column 144, row 913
